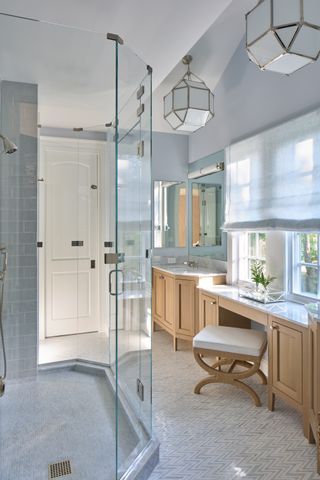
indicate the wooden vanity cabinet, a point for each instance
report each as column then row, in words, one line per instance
column 314, row 386
column 175, row 300
column 288, row 365
column 163, row 300
column 186, row 322
column 208, row 310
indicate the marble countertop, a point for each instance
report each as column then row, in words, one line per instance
column 188, row 271
column 291, row 311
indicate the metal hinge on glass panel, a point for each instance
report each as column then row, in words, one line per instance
column 148, row 253
column 108, row 244
column 115, row 38
column 140, row 110
column 140, row 389
column 140, row 92
column 76, row 243
column 113, row 258
column 140, row 149
column 92, row 264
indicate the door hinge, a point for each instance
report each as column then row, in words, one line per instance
column 39, row 244
column 92, row 264
column 140, row 389
column 113, row 258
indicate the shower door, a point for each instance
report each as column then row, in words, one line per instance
column 133, row 244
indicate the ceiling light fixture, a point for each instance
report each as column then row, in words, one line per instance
column 189, row 105
column 284, row 35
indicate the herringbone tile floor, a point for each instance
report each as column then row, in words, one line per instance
column 220, row 434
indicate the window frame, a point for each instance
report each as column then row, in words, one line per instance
column 244, row 260
column 294, row 270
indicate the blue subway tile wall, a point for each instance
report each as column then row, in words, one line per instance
column 18, row 226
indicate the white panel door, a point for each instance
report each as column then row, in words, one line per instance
column 71, row 214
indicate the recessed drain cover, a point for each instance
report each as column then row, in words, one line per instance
column 59, row 469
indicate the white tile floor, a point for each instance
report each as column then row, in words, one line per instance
column 86, row 346
column 220, row 434
column 95, row 347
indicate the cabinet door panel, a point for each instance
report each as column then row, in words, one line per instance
column 169, row 301
column 185, row 293
column 159, row 295
column 287, row 361
column 208, row 311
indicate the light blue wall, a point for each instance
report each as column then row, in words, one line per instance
column 169, row 156
column 18, row 226
column 248, row 100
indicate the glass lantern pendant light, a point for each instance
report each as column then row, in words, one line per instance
column 284, row 35
column 189, row 105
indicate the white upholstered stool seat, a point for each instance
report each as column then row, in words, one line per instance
column 230, row 339
column 233, row 347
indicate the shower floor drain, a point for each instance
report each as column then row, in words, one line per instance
column 59, row 469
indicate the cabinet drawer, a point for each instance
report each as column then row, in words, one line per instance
column 208, row 310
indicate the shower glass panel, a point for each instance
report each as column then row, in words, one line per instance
column 133, row 244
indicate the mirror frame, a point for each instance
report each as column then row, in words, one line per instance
column 217, row 252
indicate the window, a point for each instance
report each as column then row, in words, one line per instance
column 306, row 265
column 252, row 248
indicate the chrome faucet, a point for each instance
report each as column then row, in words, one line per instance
column 191, row 263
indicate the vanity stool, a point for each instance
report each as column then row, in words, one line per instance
column 233, row 347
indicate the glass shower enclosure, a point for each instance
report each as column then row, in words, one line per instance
column 75, row 219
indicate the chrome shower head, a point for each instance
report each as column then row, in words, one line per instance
column 8, row 145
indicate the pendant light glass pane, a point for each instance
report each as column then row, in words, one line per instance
column 173, row 120
column 181, row 114
column 168, row 103
column 211, row 103
column 307, row 42
column 196, row 117
column 288, row 64
column 286, row 12
column 195, row 84
column 311, row 11
column 286, row 35
column 266, row 49
column 199, row 98
column 180, row 98
column 188, row 128
column 258, row 21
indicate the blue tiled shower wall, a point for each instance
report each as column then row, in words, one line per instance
column 18, row 226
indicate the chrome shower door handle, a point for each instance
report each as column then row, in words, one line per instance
column 110, row 282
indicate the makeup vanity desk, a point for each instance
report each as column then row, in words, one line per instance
column 287, row 326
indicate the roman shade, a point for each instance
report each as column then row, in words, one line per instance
column 273, row 178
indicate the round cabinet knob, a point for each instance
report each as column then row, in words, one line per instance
column 274, row 327
column 213, row 303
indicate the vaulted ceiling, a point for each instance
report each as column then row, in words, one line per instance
column 160, row 32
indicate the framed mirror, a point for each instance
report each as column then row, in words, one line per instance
column 170, row 207
column 206, row 214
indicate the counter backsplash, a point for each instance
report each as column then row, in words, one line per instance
column 218, row 266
